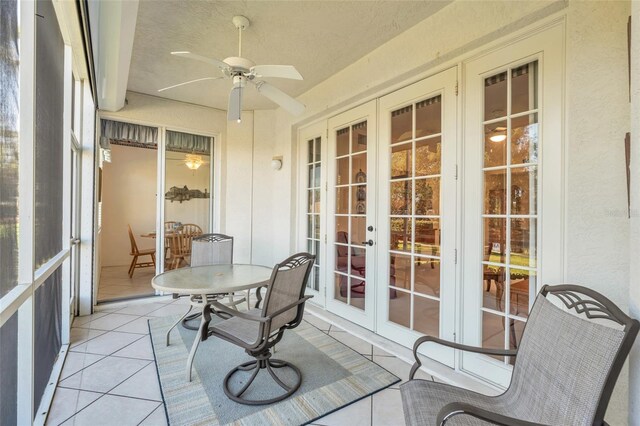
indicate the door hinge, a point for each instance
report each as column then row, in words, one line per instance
column 325, row 238
column 456, row 88
column 326, row 186
column 456, row 172
column 455, row 256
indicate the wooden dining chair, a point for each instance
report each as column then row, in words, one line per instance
column 179, row 249
column 135, row 263
column 191, row 229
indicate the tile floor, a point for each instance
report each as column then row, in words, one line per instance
column 115, row 283
column 109, row 376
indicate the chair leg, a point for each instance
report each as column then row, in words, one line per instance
column 153, row 259
column 133, row 266
column 194, row 348
column 176, row 323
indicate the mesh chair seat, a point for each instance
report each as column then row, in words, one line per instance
column 240, row 328
column 564, row 372
column 422, row 400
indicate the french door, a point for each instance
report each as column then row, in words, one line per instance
column 417, row 213
column 512, row 216
column 351, row 222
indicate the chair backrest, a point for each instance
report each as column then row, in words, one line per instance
column 132, row 240
column 211, row 249
column 570, row 357
column 178, row 244
column 168, row 226
column 287, row 286
column 191, row 229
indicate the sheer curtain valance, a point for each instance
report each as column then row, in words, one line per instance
column 132, row 134
column 187, row 142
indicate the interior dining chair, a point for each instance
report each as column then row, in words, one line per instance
column 572, row 349
column 178, row 253
column 258, row 330
column 135, row 263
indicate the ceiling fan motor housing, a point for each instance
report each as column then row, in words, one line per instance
column 238, row 64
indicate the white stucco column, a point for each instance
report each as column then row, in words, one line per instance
column 634, row 246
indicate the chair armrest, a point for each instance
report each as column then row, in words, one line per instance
column 456, row 408
column 222, row 308
column 425, row 339
column 259, row 294
column 286, row 308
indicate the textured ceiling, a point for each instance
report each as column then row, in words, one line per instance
column 318, row 37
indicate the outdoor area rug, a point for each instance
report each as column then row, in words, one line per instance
column 333, row 376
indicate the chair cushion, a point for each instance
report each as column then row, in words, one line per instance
column 240, row 328
column 422, row 400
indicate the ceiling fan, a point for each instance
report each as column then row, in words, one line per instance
column 192, row 161
column 243, row 71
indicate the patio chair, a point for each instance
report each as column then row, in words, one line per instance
column 258, row 330
column 572, row 350
column 208, row 249
column 136, row 253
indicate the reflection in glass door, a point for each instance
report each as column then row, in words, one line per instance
column 187, row 194
column 351, row 205
column 417, row 230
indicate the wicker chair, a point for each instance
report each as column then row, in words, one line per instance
column 566, row 367
column 260, row 329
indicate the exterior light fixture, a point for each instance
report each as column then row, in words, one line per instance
column 276, row 163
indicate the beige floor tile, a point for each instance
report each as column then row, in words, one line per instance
column 168, row 310
column 79, row 321
column 143, row 384
column 114, row 410
column 138, row 326
column 76, row 361
column 140, row 349
column 105, row 374
column 67, row 402
column 387, row 408
column 356, row 414
column 107, row 343
column 399, row 368
column 81, row 335
column 111, row 321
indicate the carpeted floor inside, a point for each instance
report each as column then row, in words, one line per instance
column 333, row 376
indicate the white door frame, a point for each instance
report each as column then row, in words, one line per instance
column 368, row 112
column 547, row 48
column 443, row 84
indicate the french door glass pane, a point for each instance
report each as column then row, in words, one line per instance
column 510, row 207
column 9, row 146
column 314, row 207
column 414, row 191
column 351, row 210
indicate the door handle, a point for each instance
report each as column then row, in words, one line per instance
column 368, row 243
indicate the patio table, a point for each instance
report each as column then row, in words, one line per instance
column 200, row 281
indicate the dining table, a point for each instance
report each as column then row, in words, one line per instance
column 204, row 284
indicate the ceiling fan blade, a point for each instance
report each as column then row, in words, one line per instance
column 201, row 58
column 189, row 82
column 279, row 71
column 235, row 104
column 278, row 96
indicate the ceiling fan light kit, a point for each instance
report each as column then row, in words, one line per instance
column 242, row 70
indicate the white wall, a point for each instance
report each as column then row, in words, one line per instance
column 128, row 197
